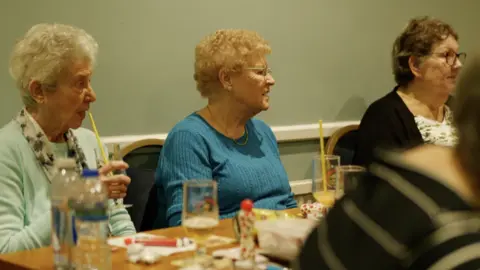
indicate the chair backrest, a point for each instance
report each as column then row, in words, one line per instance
column 142, row 154
column 343, row 143
column 150, row 213
column 142, row 157
column 138, row 195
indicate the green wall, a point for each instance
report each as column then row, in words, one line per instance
column 330, row 58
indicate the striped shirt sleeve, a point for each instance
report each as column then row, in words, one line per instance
column 395, row 220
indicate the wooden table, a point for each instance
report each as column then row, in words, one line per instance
column 42, row 258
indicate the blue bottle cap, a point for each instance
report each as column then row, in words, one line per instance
column 89, row 173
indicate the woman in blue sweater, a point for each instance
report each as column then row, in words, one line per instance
column 222, row 141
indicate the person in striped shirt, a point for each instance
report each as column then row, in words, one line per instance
column 418, row 209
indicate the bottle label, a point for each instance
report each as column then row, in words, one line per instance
column 74, row 229
column 57, row 230
column 92, row 218
column 91, row 221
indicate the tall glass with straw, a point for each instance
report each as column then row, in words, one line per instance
column 324, row 173
column 117, row 156
column 118, row 202
column 324, row 186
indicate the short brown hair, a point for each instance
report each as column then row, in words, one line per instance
column 226, row 48
column 417, row 39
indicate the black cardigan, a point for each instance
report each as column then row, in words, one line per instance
column 387, row 123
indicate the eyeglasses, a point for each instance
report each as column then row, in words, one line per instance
column 264, row 71
column 451, row 57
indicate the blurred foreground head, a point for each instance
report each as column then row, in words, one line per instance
column 467, row 119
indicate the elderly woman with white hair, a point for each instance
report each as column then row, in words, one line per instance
column 52, row 66
column 222, row 141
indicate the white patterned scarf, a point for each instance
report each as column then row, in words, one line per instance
column 42, row 148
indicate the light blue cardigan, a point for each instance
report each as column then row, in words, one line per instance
column 25, row 219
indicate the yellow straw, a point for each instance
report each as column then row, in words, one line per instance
column 322, row 156
column 102, row 151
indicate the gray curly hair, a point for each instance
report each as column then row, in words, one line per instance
column 45, row 52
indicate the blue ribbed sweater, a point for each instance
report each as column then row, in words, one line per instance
column 195, row 150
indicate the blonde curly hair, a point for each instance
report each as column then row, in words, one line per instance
column 230, row 49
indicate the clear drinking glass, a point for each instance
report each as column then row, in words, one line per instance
column 116, row 156
column 348, row 177
column 324, row 193
column 118, row 203
column 200, row 215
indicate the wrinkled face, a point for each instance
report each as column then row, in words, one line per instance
column 440, row 70
column 252, row 85
column 72, row 97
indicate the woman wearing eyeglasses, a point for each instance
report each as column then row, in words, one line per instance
column 426, row 63
column 417, row 209
column 222, row 141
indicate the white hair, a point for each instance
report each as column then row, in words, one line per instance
column 45, row 52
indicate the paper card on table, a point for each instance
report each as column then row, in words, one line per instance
column 216, row 240
column 223, row 264
column 212, row 241
column 234, row 254
column 164, row 251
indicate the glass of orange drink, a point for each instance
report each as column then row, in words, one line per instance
column 324, row 190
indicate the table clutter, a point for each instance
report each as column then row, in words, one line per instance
column 263, row 214
column 148, row 248
column 159, row 241
column 138, row 253
column 283, row 239
column 314, row 210
column 223, row 238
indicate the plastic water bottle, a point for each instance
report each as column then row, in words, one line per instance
column 91, row 222
column 63, row 183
